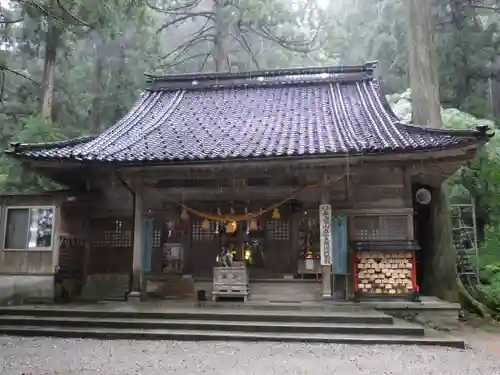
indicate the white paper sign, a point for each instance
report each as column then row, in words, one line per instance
column 325, row 226
column 309, row 264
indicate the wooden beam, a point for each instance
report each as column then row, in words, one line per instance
column 374, row 211
column 224, row 194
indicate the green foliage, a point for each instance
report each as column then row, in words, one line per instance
column 489, row 290
column 14, row 178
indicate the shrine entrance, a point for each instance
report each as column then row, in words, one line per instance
column 263, row 245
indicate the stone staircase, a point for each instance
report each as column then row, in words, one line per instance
column 128, row 321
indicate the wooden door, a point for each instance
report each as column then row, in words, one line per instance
column 277, row 248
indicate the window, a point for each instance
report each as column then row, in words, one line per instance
column 381, row 228
column 29, row 228
column 278, row 230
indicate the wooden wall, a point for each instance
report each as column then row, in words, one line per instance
column 38, row 262
column 364, row 195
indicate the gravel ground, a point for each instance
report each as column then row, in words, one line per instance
column 36, row 356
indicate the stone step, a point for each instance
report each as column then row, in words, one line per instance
column 194, row 335
column 213, row 325
column 120, row 311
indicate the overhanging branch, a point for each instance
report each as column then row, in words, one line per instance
column 180, row 50
column 184, row 17
column 171, row 9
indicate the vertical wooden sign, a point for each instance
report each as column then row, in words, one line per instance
column 325, row 225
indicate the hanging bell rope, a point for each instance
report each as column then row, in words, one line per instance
column 205, row 224
column 231, row 227
column 252, row 224
column 184, row 214
column 245, row 217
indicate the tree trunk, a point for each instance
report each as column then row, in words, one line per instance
column 440, row 274
column 423, row 65
column 49, row 65
column 462, row 79
column 95, row 108
column 219, row 53
column 494, row 96
column 440, row 270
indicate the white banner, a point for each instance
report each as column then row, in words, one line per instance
column 325, row 227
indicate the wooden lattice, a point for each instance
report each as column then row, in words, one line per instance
column 377, row 193
column 200, row 234
column 111, row 233
column 157, row 237
column 380, row 228
column 278, row 230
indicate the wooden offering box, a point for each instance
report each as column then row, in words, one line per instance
column 385, row 269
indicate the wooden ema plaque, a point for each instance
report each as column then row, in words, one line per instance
column 381, row 273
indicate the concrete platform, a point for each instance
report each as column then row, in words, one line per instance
column 174, row 321
column 187, row 335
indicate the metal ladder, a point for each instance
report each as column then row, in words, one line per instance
column 465, row 242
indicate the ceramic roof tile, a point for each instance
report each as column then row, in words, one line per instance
column 218, row 117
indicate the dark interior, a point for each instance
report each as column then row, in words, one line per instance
column 423, row 232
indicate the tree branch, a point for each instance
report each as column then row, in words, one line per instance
column 176, row 20
column 50, row 12
column 295, row 46
column 180, row 50
column 477, row 5
column 244, row 44
column 5, row 21
column 3, row 85
column 15, row 72
column 172, row 9
column 78, row 20
column 182, row 61
column 205, row 60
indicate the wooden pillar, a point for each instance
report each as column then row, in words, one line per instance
column 325, row 221
column 138, row 245
column 56, row 246
column 294, row 240
column 86, row 249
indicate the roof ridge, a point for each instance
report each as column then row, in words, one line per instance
column 480, row 132
column 368, row 67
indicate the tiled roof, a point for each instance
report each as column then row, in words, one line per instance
column 283, row 113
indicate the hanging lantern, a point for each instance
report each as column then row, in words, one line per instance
column 248, row 255
column 276, row 214
column 231, row 227
column 205, row 224
column 252, row 224
column 184, row 214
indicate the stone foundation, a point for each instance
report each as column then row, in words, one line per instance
column 19, row 289
column 443, row 320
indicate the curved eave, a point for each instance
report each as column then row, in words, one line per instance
column 17, row 147
column 481, row 134
column 415, row 153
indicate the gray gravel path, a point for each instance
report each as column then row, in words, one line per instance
column 37, row 356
